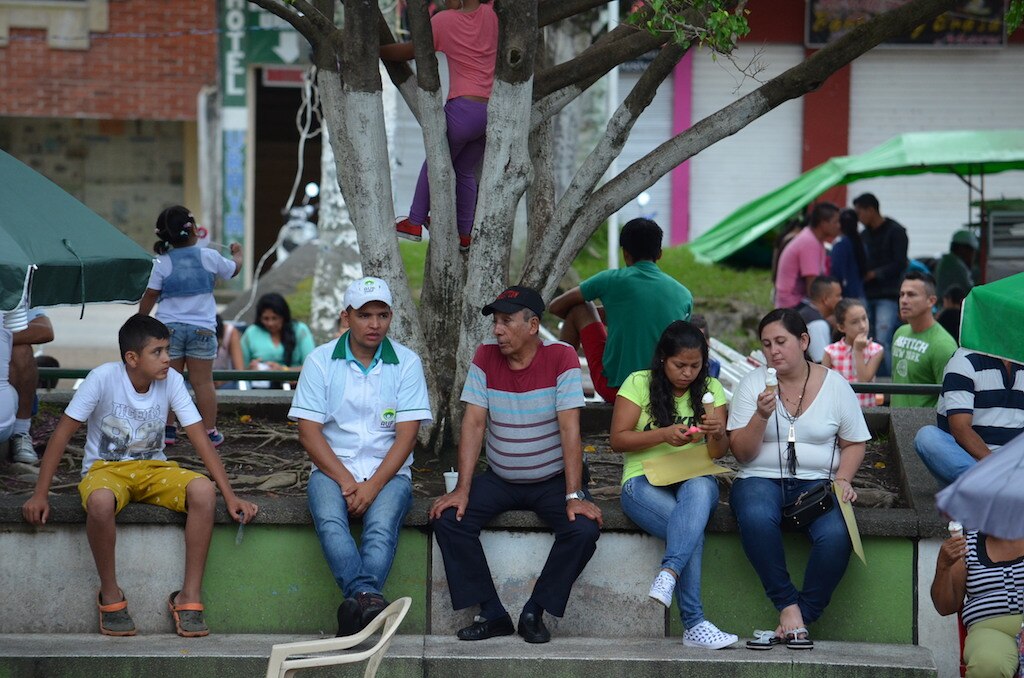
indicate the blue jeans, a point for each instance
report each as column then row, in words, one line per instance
column 884, row 318
column 361, row 569
column 757, row 505
column 678, row 514
column 191, row 341
column 942, row 454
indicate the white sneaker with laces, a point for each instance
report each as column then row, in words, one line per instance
column 662, row 588
column 708, row 636
column 22, row 450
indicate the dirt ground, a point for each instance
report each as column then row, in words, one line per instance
column 263, row 457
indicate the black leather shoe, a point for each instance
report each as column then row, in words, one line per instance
column 348, row 618
column 531, row 628
column 370, row 605
column 482, row 629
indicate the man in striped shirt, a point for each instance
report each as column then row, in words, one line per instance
column 525, row 394
column 981, row 408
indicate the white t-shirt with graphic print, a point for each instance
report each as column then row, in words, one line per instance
column 124, row 425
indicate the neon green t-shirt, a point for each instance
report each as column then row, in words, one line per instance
column 637, row 389
column 920, row 358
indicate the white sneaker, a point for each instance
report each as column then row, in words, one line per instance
column 22, row 450
column 708, row 636
column 662, row 588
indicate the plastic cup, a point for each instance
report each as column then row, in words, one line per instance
column 451, row 479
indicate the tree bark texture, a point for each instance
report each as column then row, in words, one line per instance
column 567, row 231
column 445, row 271
column 337, row 261
column 504, row 177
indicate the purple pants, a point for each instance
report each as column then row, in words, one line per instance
column 467, row 132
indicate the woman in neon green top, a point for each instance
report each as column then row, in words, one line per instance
column 655, row 413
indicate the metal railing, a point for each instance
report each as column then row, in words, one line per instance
column 276, row 376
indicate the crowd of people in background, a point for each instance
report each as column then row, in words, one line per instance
column 794, row 425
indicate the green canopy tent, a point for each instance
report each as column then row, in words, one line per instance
column 963, row 153
column 57, row 251
column 992, row 320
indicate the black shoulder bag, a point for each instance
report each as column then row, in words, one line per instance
column 815, row 501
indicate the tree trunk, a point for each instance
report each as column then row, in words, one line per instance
column 355, row 114
column 504, row 178
column 445, row 271
column 337, row 259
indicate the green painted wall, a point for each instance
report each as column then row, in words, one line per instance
column 874, row 602
column 277, row 581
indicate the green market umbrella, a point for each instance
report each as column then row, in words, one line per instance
column 57, row 250
column 963, row 153
column 992, row 320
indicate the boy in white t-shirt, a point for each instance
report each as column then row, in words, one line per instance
column 126, row 406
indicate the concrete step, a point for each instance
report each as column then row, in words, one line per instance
column 415, row 656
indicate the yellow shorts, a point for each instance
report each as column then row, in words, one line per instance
column 161, row 483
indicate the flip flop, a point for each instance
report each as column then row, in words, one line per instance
column 763, row 640
column 795, row 642
column 114, row 618
column 188, row 618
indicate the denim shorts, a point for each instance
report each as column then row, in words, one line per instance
column 192, row 341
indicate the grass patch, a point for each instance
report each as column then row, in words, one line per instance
column 414, row 255
column 711, row 285
column 715, row 288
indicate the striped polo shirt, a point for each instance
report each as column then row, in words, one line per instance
column 524, row 444
column 993, row 589
column 979, row 385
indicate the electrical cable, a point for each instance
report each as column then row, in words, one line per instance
column 309, row 108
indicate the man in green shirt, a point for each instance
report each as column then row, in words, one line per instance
column 922, row 347
column 639, row 303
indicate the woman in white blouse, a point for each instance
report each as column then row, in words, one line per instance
column 787, row 439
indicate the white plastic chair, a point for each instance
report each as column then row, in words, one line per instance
column 280, row 666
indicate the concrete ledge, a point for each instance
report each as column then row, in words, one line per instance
column 231, row 656
column 921, row 520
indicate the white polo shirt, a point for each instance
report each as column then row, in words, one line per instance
column 359, row 407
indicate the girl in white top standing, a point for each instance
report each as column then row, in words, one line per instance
column 182, row 281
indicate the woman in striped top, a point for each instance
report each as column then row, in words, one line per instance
column 982, row 577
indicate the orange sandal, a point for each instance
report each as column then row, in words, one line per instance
column 114, row 618
column 188, row 618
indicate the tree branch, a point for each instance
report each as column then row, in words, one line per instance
column 302, row 16
column 550, row 11
column 562, row 234
column 795, row 82
column 622, row 44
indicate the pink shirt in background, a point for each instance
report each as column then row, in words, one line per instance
column 842, row 357
column 470, row 42
column 803, row 256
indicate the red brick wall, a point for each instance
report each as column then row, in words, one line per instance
column 118, row 77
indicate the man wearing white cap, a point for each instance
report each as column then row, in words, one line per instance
column 359, row 404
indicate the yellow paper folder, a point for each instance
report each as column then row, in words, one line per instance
column 851, row 523
column 682, row 465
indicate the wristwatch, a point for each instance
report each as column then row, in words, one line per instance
column 578, row 494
